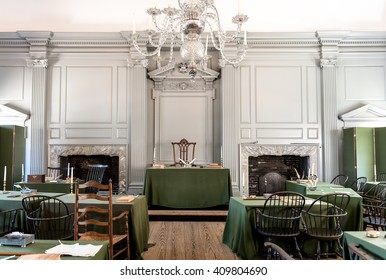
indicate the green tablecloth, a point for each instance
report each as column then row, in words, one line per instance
column 39, row 247
column 187, row 187
column 354, row 219
column 138, row 220
column 59, row 187
column 375, row 246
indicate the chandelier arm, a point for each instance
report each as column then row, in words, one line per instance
column 221, row 33
column 135, row 44
column 236, row 60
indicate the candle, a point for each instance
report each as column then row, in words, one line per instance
column 5, row 173
column 22, row 169
column 154, row 154
column 312, row 172
column 72, row 175
column 221, row 152
column 243, row 180
column 68, row 170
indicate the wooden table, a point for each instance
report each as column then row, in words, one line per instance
column 179, row 187
column 354, row 219
column 375, row 246
column 138, row 219
column 40, row 246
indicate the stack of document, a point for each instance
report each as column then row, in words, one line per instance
column 75, row 250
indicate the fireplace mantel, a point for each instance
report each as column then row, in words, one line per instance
column 255, row 150
column 111, row 150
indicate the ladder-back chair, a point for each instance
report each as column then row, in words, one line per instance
column 95, row 221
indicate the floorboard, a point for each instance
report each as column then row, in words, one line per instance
column 187, row 240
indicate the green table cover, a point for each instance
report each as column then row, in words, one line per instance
column 138, row 219
column 354, row 219
column 55, row 187
column 39, row 247
column 375, row 246
column 188, row 187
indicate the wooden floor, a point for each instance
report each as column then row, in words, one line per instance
column 187, row 240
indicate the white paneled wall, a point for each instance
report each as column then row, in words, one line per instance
column 289, row 89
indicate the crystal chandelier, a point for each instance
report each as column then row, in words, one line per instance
column 184, row 27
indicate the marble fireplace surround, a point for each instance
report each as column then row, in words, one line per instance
column 255, row 150
column 55, row 151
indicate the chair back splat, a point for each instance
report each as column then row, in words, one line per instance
column 48, row 217
column 183, row 151
column 9, row 221
column 280, row 217
column 95, row 221
column 95, row 173
column 324, row 220
column 340, row 179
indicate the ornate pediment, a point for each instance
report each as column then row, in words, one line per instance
column 176, row 77
column 9, row 116
column 365, row 116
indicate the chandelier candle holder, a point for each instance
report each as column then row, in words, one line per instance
column 184, row 27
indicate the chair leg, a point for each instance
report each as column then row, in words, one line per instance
column 318, row 250
column 298, row 249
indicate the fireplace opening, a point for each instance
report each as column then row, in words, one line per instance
column 81, row 163
column 284, row 165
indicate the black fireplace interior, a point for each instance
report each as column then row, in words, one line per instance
column 81, row 163
column 284, row 165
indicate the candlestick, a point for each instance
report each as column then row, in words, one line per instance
column 221, row 159
column 22, row 172
column 72, row 181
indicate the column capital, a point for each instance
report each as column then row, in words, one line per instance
column 328, row 62
column 329, row 46
column 37, row 62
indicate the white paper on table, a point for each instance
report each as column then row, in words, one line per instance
column 76, row 250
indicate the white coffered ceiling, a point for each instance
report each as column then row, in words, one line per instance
column 264, row 16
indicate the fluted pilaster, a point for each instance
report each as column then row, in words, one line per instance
column 38, row 121
column 229, row 118
column 138, row 123
column 329, row 42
